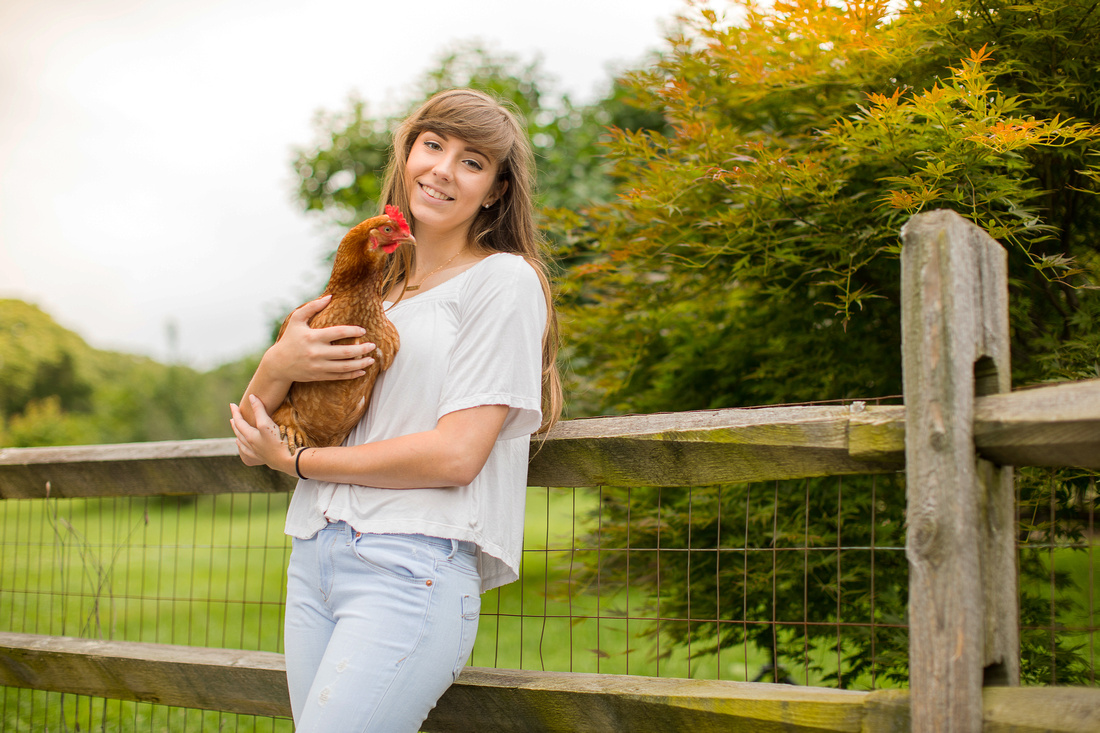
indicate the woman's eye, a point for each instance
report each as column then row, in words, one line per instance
column 433, row 145
column 474, row 164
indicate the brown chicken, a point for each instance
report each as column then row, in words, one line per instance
column 317, row 414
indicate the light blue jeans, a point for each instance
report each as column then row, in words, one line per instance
column 377, row 627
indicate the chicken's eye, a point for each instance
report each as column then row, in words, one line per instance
column 387, row 230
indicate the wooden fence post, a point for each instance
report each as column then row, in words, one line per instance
column 963, row 608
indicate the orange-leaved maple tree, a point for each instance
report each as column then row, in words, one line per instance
column 751, row 257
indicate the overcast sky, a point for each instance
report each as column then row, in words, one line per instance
column 145, row 185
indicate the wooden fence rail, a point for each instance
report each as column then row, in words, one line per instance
column 517, row 701
column 1056, row 425
column 961, row 431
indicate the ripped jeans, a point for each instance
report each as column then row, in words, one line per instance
column 377, row 627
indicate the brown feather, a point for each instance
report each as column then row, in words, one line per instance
column 317, row 414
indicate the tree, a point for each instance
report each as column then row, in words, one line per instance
column 341, row 174
column 752, row 254
column 783, row 194
column 57, row 390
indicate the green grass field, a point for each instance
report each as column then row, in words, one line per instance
column 211, row 572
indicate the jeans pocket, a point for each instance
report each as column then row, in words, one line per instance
column 396, row 557
column 471, row 612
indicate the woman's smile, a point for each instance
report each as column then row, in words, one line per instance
column 434, row 193
column 456, row 180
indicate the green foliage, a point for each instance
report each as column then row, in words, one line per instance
column 751, row 257
column 341, row 174
column 57, row 390
column 764, row 553
column 798, row 149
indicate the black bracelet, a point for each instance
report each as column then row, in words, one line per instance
column 298, row 465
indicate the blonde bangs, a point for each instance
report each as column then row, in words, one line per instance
column 508, row 226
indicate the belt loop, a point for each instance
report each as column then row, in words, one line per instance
column 454, row 549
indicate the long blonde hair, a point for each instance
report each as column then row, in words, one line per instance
column 508, row 225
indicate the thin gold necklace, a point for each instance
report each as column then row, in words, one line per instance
column 424, row 279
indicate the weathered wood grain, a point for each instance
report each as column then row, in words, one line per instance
column 516, row 701
column 703, row 447
column 996, row 486
column 959, row 542
column 886, row 711
column 230, row 680
column 499, row 700
column 1041, row 710
column 878, row 434
column 167, row 468
column 1052, row 425
column 673, row 449
column 1004, row 710
column 519, row 701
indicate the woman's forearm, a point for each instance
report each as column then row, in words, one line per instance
column 265, row 386
column 450, row 454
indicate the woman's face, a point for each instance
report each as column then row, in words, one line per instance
column 448, row 182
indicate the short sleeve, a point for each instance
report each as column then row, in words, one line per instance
column 497, row 354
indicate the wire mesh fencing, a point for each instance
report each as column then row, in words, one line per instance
column 775, row 582
column 1058, row 565
column 199, row 571
column 803, row 582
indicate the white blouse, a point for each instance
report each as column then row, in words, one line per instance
column 473, row 340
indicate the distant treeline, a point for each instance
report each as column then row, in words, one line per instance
column 55, row 389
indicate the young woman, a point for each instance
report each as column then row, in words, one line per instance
column 396, row 533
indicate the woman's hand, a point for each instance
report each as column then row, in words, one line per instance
column 261, row 445
column 304, row 354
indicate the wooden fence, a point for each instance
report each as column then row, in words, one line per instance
column 959, row 433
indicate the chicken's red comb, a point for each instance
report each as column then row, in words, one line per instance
column 395, row 213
